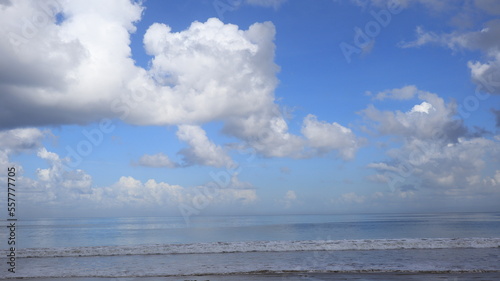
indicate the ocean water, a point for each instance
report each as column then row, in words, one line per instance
column 168, row 246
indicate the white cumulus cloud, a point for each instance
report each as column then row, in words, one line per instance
column 210, row 71
column 325, row 137
column 433, row 117
column 201, row 150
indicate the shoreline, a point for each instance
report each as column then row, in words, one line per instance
column 378, row 276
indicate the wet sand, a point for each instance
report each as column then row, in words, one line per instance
column 483, row 276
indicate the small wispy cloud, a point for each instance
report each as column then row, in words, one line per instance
column 158, row 160
column 266, row 3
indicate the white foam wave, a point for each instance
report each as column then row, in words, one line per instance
column 261, row 246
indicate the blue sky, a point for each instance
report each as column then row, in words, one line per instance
column 250, row 107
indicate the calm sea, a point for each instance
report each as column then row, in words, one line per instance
column 168, row 246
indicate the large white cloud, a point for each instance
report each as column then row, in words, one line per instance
column 431, row 119
column 437, row 154
column 210, row 71
column 207, row 72
column 87, row 53
column 268, row 134
column 466, row 168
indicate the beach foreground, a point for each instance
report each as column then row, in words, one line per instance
column 483, row 276
column 261, row 248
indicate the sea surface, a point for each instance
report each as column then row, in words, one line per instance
column 224, row 245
